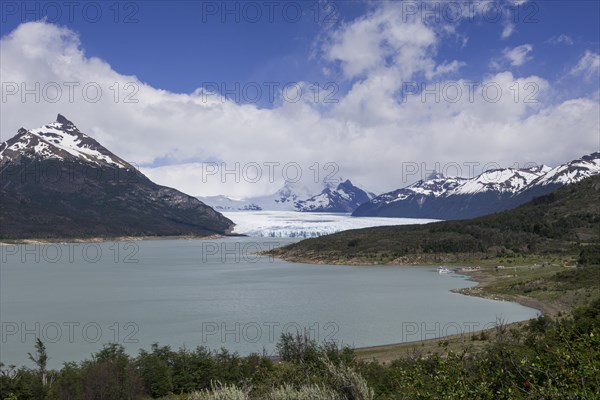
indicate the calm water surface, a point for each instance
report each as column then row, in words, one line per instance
column 218, row 293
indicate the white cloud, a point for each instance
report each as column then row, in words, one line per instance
column 370, row 134
column 519, row 55
column 560, row 39
column 509, row 29
column 385, row 37
column 445, row 69
column 514, row 57
column 588, row 65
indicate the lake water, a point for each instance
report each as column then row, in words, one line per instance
column 218, row 293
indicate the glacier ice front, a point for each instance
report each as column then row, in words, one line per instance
column 305, row 225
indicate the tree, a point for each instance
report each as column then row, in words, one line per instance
column 41, row 360
column 155, row 371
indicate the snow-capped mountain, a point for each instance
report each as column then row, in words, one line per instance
column 283, row 199
column 507, row 180
column 571, row 172
column 341, row 198
column 224, row 203
column 344, row 198
column 57, row 182
column 435, row 185
column 494, row 190
column 59, row 140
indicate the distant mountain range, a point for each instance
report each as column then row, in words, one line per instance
column 562, row 223
column 344, row 197
column 57, row 182
column 450, row 198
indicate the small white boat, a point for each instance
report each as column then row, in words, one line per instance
column 443, row 270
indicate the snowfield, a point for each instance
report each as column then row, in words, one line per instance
column 296, row 224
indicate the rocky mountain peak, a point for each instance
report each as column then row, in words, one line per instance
column 63, row 121
column 59, row 140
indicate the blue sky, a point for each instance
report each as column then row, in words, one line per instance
column 181, row 36
column 200, row 42
column 368, row 50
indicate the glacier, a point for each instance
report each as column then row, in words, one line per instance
column 305, row 225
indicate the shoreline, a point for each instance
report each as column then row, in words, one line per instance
column 483, row 277
column 102, row 239
column 484, row 282
column 389, row 352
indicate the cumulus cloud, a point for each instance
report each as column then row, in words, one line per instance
column 372, row 133
column 383, row 38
